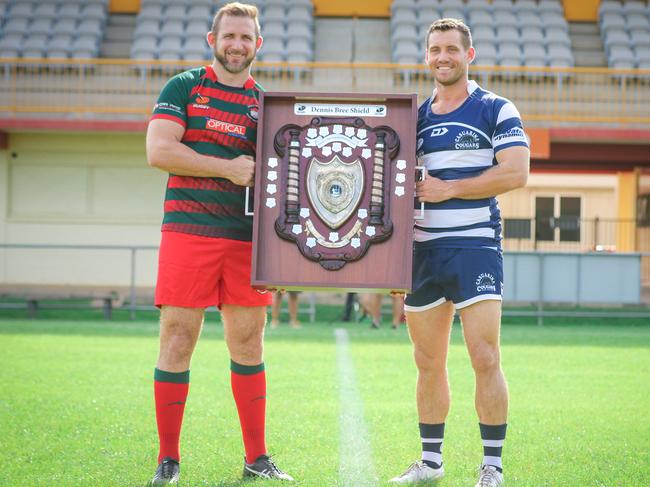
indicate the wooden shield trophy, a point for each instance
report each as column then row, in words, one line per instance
column 334, row 189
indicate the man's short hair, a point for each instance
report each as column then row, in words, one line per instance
column 443, row 25
column 236, row 9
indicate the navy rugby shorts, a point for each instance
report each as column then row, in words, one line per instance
column 463, row 276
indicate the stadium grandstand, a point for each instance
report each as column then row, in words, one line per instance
column 81, row 210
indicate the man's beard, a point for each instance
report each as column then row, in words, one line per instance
column 233, row 69
column 452, row 80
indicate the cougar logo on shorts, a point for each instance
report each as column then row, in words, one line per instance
column 485, row 283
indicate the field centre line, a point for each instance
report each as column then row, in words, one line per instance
column 355, row 465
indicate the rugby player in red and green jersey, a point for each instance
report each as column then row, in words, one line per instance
column 203, row 133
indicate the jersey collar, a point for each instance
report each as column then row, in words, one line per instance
column 472, row 86
column 212, row 76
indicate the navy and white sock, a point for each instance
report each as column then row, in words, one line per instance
column 431, row 436
column 493, row 437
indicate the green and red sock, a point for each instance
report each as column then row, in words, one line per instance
column 170, row 394
column 249, row 390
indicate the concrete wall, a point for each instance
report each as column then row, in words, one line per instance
column 87, row 189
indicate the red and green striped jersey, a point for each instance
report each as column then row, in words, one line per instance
column 219, row 121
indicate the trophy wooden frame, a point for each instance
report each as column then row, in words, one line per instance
column 334, row 191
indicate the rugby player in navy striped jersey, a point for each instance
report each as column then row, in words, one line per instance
column 203, row 132
column 473, row 147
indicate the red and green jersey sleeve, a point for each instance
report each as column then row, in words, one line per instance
column 219, row 121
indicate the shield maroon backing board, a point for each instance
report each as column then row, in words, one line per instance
column 334, row 189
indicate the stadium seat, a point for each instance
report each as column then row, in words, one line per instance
column 170, row 48
column 22, row 10
column 634, row 7
column 483, row 33
column 172, row 28
column 473, row 5
column 174, row 12
column 507, row 34
column 452, row 4
column 527, row 19
column 16, row 26
column 299, row 30
column 534, row 55
column 636, row 21
column 486, row 54
column 45, row 11
column 407, row 52
column 147, row 27
column 144, row 48
column 41, row 26
column 478, row 18
column 621, row 57
column 94, row 11
column 506, row 19
column 453, row 13
column 427, row 16
column 65, row 26
column 612, row 20
column 550, row 6
column 509, row 55
column 69, row 11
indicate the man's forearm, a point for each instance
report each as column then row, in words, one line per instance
column 177, row 158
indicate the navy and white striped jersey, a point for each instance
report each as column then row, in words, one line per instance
column 458, row 145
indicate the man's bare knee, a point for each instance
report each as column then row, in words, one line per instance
column 485, row 358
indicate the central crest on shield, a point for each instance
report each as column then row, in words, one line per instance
column 334, row 189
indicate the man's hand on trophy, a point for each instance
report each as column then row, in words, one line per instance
column 242, row 170
column 433, row 190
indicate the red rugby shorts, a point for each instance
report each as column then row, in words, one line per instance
column 197, row 272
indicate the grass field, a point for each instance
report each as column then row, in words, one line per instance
column 76, row 405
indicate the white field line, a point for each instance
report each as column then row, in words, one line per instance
column 355, row 465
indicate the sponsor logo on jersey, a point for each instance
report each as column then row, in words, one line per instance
column 438, row 131
column 485, row 282
column 202, row 100
column 167, row 106
column 467, row 140
column 512, row 133
column 225, row 127
column 253, row 112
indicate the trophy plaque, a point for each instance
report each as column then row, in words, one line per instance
column 334, row 189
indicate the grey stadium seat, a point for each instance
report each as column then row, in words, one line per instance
column 507, row 34
column 174, row 28
column 560, row 56
column 427, row 16
column 510, row 55
column 607, row 6
column 409, row 4
column 144, row 48
column 525, row 6
column 612, row 20
column 453, row 13
column 528, row 19
column 151, row 12
column 197, row 27
column 299, row 14
column 94, row 11
column 550, row 6
column 534, row 55
column 273, row 28
column 486, row 54
column 622, row 58
column 452, row 4
column 405, row 32
column 404, row 16
column 16, row 26
column 478, row 18
column 65, row 25
column 41, row 26
column 147, row 27
column 297, row 30
column 69, row 11
column 274, row 12
column 45, row 10
column 632, row 7
column 551, row 19
column 90, row 27
column 615, row 38
column 532, row 35
column 170, row 48
column 557, row 36
column 506, row 19
column 199, row 12
column 636, row 21
column 483, row 33
column 407, row 52
column 472, row 5
column 640, row 39
column 21, row 10
column 175, row 12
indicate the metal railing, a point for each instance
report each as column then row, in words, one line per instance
column 128, row 88
column 538, row 302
